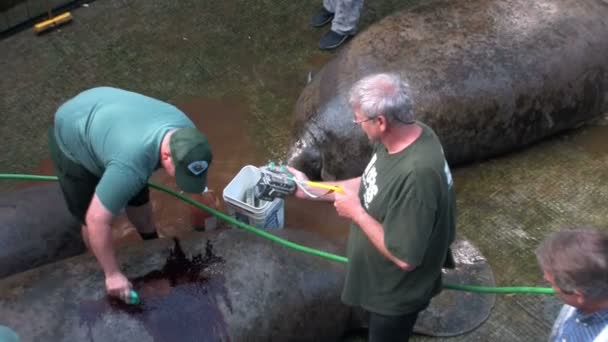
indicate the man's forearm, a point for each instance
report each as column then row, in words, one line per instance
column 351, row 185
column 100, row 239
column 374, row 232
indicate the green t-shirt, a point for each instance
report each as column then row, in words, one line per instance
column 116, row 135
column 411, row 194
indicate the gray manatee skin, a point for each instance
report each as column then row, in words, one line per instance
column 36, row 228
column 489, row 76
column 256, row 291
column 260, row 291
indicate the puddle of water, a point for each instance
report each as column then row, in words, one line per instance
column 593, row 140
column 320, row 59
column 319, row 217
column 225, row 123
column 316, row 62
column 181, row 299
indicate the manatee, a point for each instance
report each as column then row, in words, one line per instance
column 36, row 228
column 223, row 285
column 489, row 76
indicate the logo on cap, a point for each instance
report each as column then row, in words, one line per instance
column 198, row 167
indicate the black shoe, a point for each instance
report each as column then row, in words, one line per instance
column 332, row 40
column 321, row 18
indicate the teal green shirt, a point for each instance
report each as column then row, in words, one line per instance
column 116, row 135
column 411, row 194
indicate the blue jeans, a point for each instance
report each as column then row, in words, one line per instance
column 346, row 15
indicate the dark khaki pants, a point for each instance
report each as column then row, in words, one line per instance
column 78, row 184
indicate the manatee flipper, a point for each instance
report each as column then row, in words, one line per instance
column 457, row 312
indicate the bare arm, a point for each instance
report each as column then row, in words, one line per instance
column 349, row 206
column 98, row 221
column 375, row 234
column 100, row 236
column 349, row 185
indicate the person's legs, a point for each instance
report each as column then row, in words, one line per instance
column 139, row 212
column 347, row 13
column 323, row 15
column 383, row 328
column 330, row 5
column 344, row 24
column 77, row 183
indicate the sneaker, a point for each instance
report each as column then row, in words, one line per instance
column 332, row 40
column 321, row 18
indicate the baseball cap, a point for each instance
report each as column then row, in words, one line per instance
column 192, row 156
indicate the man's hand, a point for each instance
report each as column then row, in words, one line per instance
column 100, row 238
column 349, row 206
column 117, row 285
column 301, row 178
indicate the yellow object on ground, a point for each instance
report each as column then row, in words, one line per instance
column 53, row 22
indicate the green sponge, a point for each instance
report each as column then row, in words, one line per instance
column 133, row 298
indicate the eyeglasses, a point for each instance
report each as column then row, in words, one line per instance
column 358, row 122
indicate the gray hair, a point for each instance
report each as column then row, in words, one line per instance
column 578, row 259
column 383, row 94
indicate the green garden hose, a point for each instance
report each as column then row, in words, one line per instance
column 262, row 233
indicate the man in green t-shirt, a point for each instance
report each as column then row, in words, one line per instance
column 402, row 210
column 105, row 144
